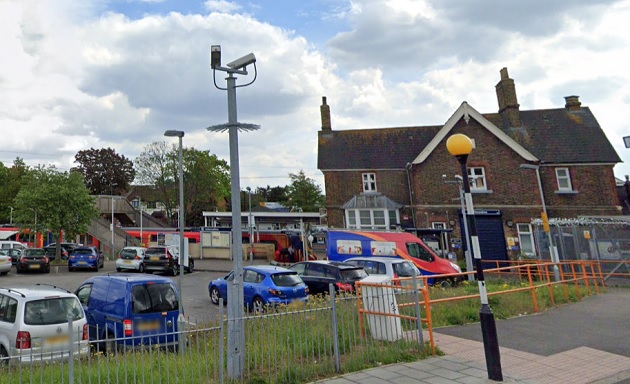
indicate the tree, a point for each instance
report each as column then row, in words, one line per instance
column 304, row 194
column 11, row 180
column 275, row 194
column 206, row 178
column 104, row 170
column 59, row 201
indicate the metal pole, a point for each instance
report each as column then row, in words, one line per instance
column 141, row 241
column 182, row 256
column 467, row 252
column 250, row 227
column 235, row 337
column 486, row 317
column 111, row 191
column 552, row 254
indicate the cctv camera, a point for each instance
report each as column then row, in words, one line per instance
column 458, row 177
column 215, row 56
column 443, row 177
column 243, row 61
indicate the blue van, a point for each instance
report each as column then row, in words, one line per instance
column 130, row 311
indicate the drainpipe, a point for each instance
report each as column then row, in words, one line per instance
column 413, row 211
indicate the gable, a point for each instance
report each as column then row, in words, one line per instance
column 467, row 112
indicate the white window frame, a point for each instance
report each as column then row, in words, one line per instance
column 475, row 175
column 369, row 182
column 529, row 234
column 563, row 179
column 438, row 225
column 353, row 218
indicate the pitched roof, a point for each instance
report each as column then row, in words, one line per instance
column 557, row 136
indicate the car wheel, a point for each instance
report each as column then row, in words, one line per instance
column 175, row 269
column 258, row 305
column 4, row 356
column 70, row 269
column 215, row 296
column 191, row 266
column 47, row 270
column 141, row 268
column 3, row 273
column 443, row 283
column 118, row 269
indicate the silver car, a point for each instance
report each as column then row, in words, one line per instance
column 131, row 258
column 34, row 324
column 5, row 262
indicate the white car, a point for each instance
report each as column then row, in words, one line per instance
column 390, row 266
column 131, row 258
column 5, row 262
column 34, row 324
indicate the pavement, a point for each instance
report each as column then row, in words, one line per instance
column 583, row 342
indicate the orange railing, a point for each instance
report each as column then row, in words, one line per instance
column 533, row 276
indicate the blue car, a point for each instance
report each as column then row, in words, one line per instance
column 263, row 285
column 85, row 257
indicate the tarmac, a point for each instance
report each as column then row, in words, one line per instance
column 583, row 342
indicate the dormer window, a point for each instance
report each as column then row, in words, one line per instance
column 563, row 177
column 369, row 182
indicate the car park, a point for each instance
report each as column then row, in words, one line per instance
column 263, row 286
column 131, row 258
column 33, row 260
column 318, row 274
column 86, row 258
column 162, row 259
column 130, row 311
column 5, row 262
column 34, row 324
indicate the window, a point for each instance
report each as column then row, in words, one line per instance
column 417, row 251
column 564, row 179
column 152, row 298
column 369, row 182
column 525, row 238
column 477, row 177
column 372, row 218
column 438, row 225
column 8, row 309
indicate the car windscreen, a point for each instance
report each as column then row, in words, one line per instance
column 35, row 252
column 52, row 311
column 155, row 251
column 353, row 274
column 82, row 251
column 128, row 253
column 404, row 269
column 286, row 279
column 156, row 297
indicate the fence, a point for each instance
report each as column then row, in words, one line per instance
column 328, row 335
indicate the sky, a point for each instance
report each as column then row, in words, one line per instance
column 76, row 75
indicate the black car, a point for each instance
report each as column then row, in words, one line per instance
column 33, row 259
column 320, row 273
column 66, row 249
column 161, row 259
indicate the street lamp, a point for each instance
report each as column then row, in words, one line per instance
column 250, row 229
column 180, row 222
column 111, row 192
column 236, row 329
column 545, row 220
column 469, row 264
column 461, row 146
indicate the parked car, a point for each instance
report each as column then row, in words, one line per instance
column 162, row 259
column 393, row 267
column 131, row 258
column 66, row 249
column 86, row 257
column 5, row 262
column 14, row 253
column 317, row 274
column 263, row 285
column 33, row 259
column 34, row 324
column 130, row 311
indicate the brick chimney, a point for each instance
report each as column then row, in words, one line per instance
column 572, row 103
column 508, row 105
column 325, row 112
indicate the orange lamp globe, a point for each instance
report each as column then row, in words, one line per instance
column 459, row 144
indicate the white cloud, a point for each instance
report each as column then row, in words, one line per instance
column 221, row 6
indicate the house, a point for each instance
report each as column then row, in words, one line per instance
column 388, row 177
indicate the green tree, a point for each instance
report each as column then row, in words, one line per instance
column 273, row 194
column 104, row 170
column 11, row 180
column 304, row 194
column 60, row 202
column 206, row 179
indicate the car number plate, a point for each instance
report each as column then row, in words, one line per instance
column 56, row 340
column 155, row 258
column 148, row 326
column 34, row 266
column 82, row 263
column 127, row 261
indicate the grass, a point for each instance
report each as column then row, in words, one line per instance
column 290, row 346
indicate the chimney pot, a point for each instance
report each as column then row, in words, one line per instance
column 325, row 115
column 572, row 103
column 508, row 103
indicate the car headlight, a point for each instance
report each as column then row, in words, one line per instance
column 456, row 267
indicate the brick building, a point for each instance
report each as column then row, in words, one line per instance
column 387, row 177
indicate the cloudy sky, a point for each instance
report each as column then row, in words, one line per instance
column 87, row 74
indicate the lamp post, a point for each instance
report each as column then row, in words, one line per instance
column 236, row 329
column 250, row 229
column 461, row 146
column 545, row 219
column 11, row 218
column 111, row 193
column 469, row 263
column 180, row 222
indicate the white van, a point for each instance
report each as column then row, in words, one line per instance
column 8, row 244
